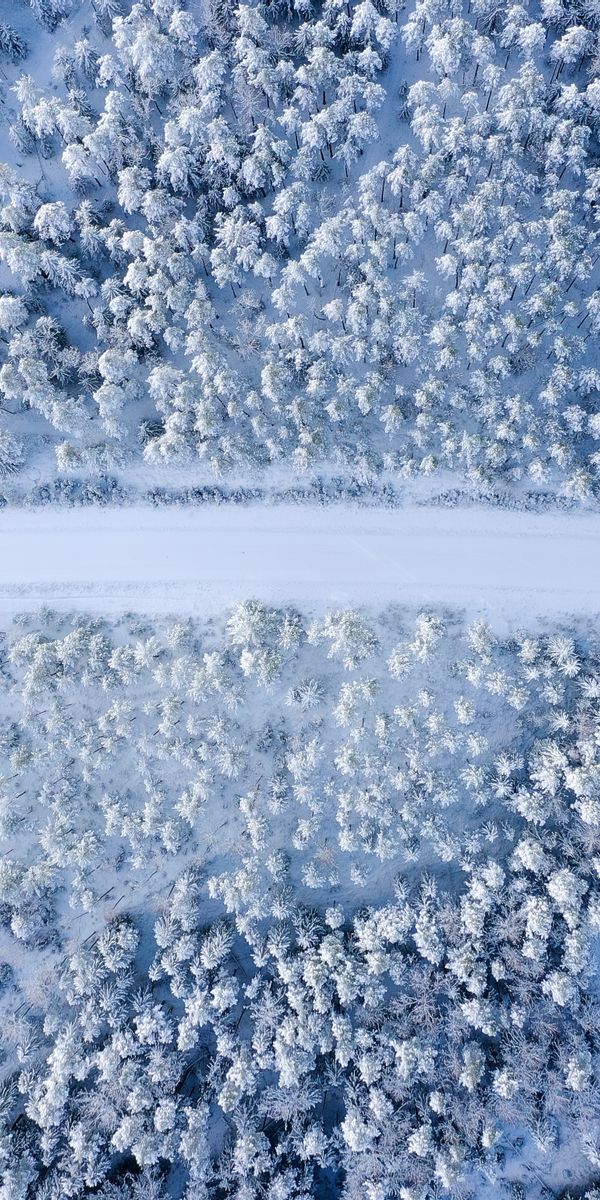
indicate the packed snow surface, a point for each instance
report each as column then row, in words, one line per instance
column 196, row 560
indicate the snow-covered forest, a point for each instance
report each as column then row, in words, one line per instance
column 297, row 908
column 299, row 894
column 338, row 237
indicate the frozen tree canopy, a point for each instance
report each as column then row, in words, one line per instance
column 299, row 901
column 359, row 237
column 299, row 908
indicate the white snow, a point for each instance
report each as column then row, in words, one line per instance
column 196, row 560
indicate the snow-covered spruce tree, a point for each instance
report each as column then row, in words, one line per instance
column 363, row 235
column 296, row 952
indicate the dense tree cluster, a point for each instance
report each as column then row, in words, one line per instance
column 323, row 898
column 362, row 234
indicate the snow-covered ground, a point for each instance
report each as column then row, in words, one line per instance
column 497, row 563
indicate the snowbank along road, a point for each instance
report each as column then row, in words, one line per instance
column 198, row 560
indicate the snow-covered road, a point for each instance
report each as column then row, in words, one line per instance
column 185, row 561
